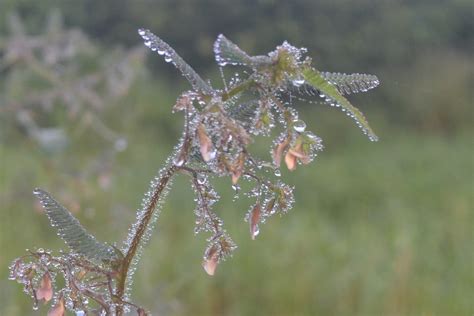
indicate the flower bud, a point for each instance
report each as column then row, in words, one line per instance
column 58, row 309
column 205, row 143
column 212, row 260
column 278, row 151
column 238, row 168
column 255, row 220
column 45, row 291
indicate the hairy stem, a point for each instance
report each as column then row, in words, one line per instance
column 245, row 85
column 139, row 234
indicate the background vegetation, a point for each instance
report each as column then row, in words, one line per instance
column 378, row 228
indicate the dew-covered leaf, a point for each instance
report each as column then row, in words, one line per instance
column 353, row 83
column 243, row 112
column 228, row 53
column 344, row 83
column 156, row 44
column 331, row 95
column 71, row 231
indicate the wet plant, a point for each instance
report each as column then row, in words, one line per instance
column 219, row 126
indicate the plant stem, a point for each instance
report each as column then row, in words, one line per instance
column 142, row 225
column 237, row 89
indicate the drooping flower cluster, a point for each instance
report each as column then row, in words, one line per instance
column 88, row 286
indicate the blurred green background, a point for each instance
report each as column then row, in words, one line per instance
column 380, row 228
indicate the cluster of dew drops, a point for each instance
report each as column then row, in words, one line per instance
column 32, row 270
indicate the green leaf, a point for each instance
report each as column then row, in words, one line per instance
column 156, row 44
column 71, row 231
column 228, row 53
column 243, row 112
column 332, row 95
column 352, row 83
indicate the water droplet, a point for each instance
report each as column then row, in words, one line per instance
column 299, row 126
column 312, row 137
column 179, row 162
column 255, row 232
column 141, row 32
column 147, row 43
column 168, row 58
column 298, row 82
column 161, row 52
column 277, row 173
column 212, row 154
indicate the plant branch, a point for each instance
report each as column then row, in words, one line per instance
column 237, row 89
column 142, row 225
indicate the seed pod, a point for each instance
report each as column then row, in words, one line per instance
column 296, row 153
column 45, row 291
column 278, row 151
column 205, row 143
column 238, row 168
column 290, row 161
column 255, row 220
column 212, row 260
column 58, row 309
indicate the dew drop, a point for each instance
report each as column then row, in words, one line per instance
column 299, row 126
column 161, row 52
column 147, row 43
column 277, row 173
column 298, row 82
column 141, row 32
column 212, row 154
column 168, row 58
column 255, row 232
column 179, row 162
column 312, row 137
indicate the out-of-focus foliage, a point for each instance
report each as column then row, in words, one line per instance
column 61, row 68
column 377, row 229
column 390, row 38
column 58, row 86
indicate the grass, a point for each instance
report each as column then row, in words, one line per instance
column 378, row 229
